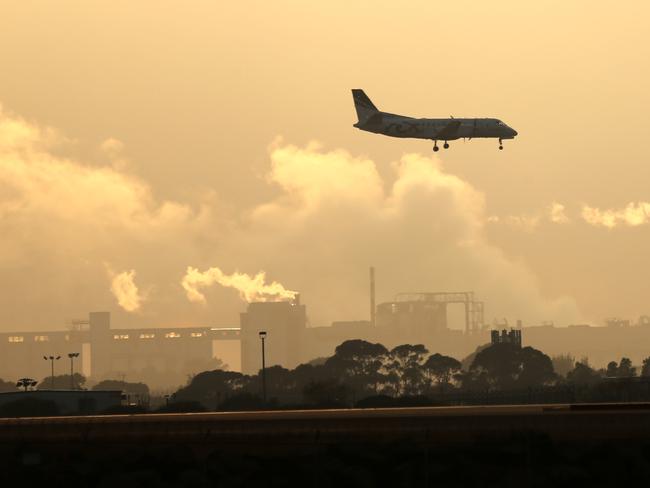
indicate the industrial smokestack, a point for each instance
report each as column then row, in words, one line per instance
column 372, row 296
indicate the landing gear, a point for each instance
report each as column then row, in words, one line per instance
column 500, row 145
column 446, row 146
column 435, row 146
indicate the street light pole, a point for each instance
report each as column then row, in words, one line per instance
column 72, row 355
column 52, row 359
column 263, row 337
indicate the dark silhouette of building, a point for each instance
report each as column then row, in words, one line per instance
column 68, row 402
column 512, row 336
column 285, row 324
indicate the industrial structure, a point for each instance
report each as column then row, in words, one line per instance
column 429, row 310
column 512, row 336
column 168, row 355
column 105, row 352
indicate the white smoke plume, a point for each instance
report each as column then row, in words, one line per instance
column 528, row 223
column 125, row 290
column 557, row 214
column 251, row 289
column 633, row 214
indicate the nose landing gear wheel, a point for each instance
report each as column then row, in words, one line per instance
column 500, row 145
column 446, row 146
column 500, row 148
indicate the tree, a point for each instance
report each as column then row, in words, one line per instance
column 327, row 393
column 536, row 368
column 499, row 363
column 213, row 387
column 405, row 368
column 10, row 386
column 194, row 366
column 279, row 381
column 308, row 372
column 645, row 368
column 582, row 374
column 506, row 366
column 563, row 364
column 130, row 388
column 359, row 363
column 62, row 382
column 612, row 369
column 441, row 368
column 625, row 369
column 242, row 401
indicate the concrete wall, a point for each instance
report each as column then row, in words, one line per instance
column 69, row 401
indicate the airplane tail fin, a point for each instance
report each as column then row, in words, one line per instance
column 365, row 108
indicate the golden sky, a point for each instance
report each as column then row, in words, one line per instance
column 138, row 139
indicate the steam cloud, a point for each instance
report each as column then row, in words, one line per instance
column 634, row 214
column 422, row 231
column 251, row 289
column 332, row 217
column 62, row 219
column 125, row 290
column 557, row 214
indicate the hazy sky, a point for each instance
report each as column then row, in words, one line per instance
column 140, row 138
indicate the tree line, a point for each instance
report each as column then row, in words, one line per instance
column 368, row 374
column 361, row 373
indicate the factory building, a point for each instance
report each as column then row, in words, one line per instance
column 105, row 352
column 167, row 356
column 412, row 318
column 284, row 323
column 157, row 355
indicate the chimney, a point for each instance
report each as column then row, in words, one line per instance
column 372, row 296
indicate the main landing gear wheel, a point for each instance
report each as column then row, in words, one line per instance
column 435, row 146
column 446, row 146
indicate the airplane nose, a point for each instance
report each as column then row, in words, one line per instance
column 514, row 132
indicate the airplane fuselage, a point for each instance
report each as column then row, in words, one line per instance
column 436, row 129
column 371, row 119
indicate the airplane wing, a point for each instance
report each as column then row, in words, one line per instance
column 448, row 131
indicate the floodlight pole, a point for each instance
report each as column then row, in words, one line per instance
column 52, row 359
column 72, row 355
column 263, row 337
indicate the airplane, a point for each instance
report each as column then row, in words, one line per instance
column 451, row 129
